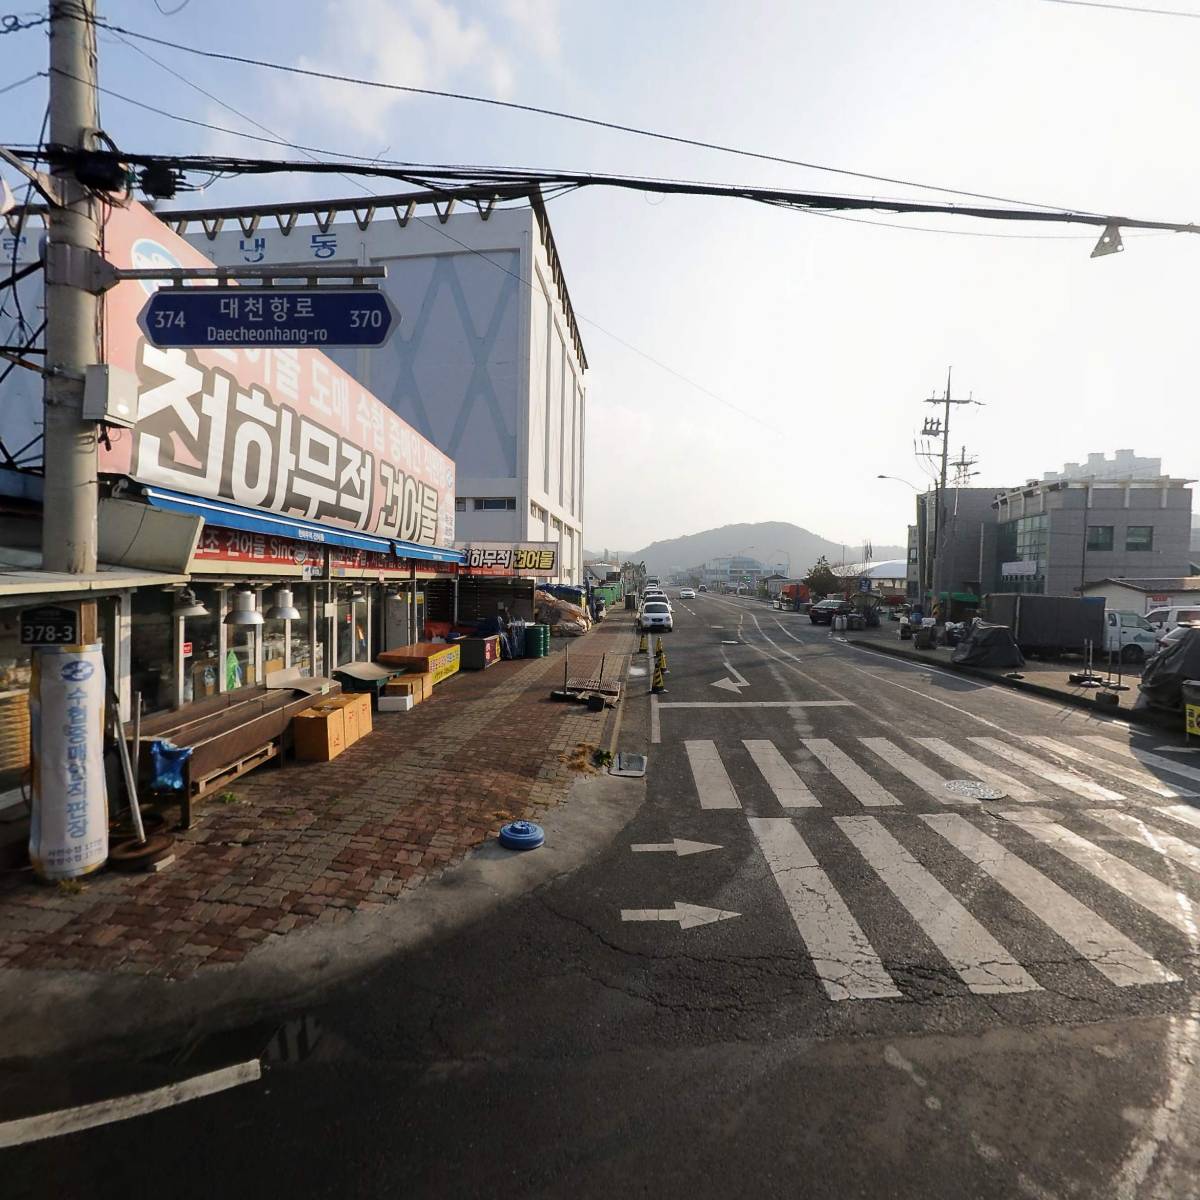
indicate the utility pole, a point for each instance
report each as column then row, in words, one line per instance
column 71, row 494
column 940, row 427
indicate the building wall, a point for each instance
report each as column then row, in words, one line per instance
column 482, row 364
column 969, row 518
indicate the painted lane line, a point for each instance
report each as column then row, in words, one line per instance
column 106, row 1112
column 1142, row 779
column 843, row 958
column 928, row 781
column 711, row 779
column 687, row 915
column 1143, row 756
column 1014, row 788
column 655, row 722
column 1134, row 828
column 1071, row 781
column 677, row 846
column 1164, row 902
column 758, row 704
column 788, row 787
column 849, row 774
column 1106, row 949
column 985, row 966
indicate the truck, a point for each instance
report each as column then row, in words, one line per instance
column 1048, row 625
column 793, row 597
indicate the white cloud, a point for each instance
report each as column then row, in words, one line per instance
column 539, row 21
column 417, row 43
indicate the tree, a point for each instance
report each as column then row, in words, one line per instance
column 822, row 580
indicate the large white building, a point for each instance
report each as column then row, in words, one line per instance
column 487, row 363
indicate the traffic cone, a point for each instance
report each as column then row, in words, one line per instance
column 661, row 660
column 659, row 684
column 643, row 646
column 658, row 646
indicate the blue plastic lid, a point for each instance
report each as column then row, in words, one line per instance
column 521, row 835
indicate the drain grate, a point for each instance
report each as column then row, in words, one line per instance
column 630, row 765
column 975, row 790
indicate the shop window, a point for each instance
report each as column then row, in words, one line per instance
column 495, row 504
column 201, row 646
column 299, row 631
column 152, row 649
column 1139, row 537
column 1099, row 537
column 15, row 677
column 240, row 645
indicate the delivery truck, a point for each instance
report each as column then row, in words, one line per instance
column 1049, row 625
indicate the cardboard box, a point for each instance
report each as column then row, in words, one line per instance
column 319, row 733
column 357, row 707
column 417, row 684
column 396, row 703
column 271, row 665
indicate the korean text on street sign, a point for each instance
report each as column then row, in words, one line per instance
column 49, row 626
column 323, row 318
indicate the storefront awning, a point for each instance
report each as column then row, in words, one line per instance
column 22, row 581
column 254, row 520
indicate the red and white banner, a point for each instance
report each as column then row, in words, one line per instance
column 281, row 429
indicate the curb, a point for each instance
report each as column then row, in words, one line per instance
column 1141, row 716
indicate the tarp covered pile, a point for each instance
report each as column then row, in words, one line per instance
column 988, row 646
column 1164, row 675
column 565, row 619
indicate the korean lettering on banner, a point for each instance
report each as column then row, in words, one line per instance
column 515, row 559
column 279, row 429
column 68, row 831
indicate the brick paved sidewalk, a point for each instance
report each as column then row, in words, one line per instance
column 316, row 842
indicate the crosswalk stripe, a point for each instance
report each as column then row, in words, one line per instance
column 1162, row 762
column 1164, row 902
column 1140, row 779
column 711, row 779
column 985, row 966
column 914, row 770
column 1070, row 780
column 848, row 773
column 843, row 958
column 788, row 787
column 1166, row 844
column 1182, row 812
column 1014, row 788
column 1105, row 948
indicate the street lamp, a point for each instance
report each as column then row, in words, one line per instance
column 920, row 539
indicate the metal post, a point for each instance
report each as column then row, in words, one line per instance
column 69, row 531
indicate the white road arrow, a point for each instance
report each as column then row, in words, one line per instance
column 678, row 846
column 738, row 681
column 688, row 915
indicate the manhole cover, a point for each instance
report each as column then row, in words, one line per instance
column 631, row 765
column 975, row 790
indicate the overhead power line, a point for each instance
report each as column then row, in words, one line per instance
column 1128, row 8
column 561, row 115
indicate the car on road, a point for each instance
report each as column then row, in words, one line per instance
column 704, row 587
column 655, row 614
column 687, row 593
column 823, row 612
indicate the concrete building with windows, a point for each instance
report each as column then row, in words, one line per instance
column 487, row 363
column 1055, row 537
column 967, row 543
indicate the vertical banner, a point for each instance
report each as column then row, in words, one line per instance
column 68, row 831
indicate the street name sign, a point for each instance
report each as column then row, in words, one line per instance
column 319, row 318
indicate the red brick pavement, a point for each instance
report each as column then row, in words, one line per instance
column 316, row 842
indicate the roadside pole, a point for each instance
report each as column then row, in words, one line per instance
column 69, row 531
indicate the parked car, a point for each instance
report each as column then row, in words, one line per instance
column 1166, row 619
column 687, row 593
column 824, row 612
column 1175, row 635
column 655, row 614
column 703, row 587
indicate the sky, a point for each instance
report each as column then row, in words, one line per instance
column 807, row 344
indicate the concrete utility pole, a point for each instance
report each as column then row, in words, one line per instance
column 940, row 427
column 69, row 531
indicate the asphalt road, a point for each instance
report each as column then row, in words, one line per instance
column 853, row 982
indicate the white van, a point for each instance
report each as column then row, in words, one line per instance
column 1166, row 619
column 1128, row 634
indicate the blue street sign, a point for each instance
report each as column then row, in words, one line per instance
column 319, row 318
column 864, row 585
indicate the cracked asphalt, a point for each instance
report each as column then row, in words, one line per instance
column 551, row 1048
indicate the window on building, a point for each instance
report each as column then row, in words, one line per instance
column 495, row 504
column 1139, row 537
column 460, row 504
column 536, row 511
column 1099, row 537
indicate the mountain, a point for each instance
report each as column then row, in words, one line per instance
column 764, row 540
